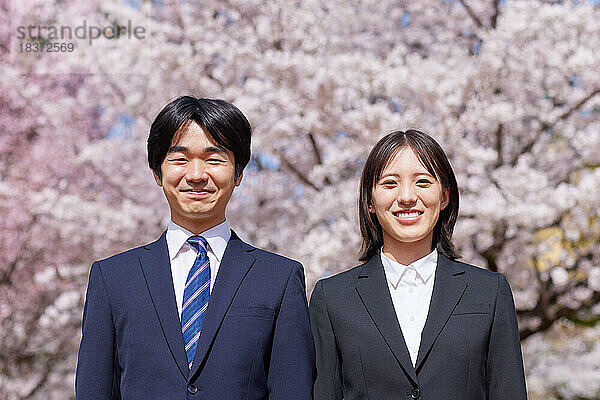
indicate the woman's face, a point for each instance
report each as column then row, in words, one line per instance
column 407, row 200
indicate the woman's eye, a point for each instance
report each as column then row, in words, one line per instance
column 423, row 182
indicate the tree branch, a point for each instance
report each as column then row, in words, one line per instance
column 315, row 148
column 317, row 152
column 577, row 106
column 499, row 145
column 259, row 164
column 492, row 252
column 548, row 317
column 472, row 14
column 494, row 20
column 299, row 174
column 547, row 308
column 6, row 274
column 547, row 125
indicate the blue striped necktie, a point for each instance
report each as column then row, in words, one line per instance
column 195, row 297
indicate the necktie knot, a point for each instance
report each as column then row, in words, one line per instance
column 198, row 242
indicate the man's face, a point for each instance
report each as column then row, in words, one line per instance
column 198, row 178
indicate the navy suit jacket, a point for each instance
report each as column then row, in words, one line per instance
column 469, row 348
column 256, row 341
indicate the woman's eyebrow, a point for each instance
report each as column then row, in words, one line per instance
column 395, row 174
column 425, row 173
column 215, row 149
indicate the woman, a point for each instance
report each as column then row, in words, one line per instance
column 412, row 322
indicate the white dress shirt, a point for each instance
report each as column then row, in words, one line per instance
column 411, row 287
column 183, row 255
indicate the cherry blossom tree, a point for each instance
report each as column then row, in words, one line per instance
column 509, row 88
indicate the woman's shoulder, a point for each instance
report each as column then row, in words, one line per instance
column 342, row 278
column 471, row 273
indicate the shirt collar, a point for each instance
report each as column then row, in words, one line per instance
column 217, row 238
column 424, row 266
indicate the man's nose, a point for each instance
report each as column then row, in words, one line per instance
column 196, row 171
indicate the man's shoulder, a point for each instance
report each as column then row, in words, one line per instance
column 130, row 255
column 258, row 253
column 274, row 258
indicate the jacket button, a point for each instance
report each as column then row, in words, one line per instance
column 415, row 393
column 192, row 389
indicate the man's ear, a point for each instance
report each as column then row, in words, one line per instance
column 445, row 198
column 157, row 179
column 239, row 179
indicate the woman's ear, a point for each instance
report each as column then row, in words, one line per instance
column 445, row 198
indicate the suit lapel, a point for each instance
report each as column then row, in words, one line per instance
column 375, row 295
column 234, row 266
column 448, row 288
column 156, row 267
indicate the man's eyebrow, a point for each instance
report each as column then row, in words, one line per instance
column 178, row 149
column 184, row 149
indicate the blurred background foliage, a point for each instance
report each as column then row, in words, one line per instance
column 509, row 88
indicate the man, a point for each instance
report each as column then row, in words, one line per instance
column 197, row 314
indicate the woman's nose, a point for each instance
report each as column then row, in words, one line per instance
column 406, row 194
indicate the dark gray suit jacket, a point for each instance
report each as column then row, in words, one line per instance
column 469, row 349
column 256, row 341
